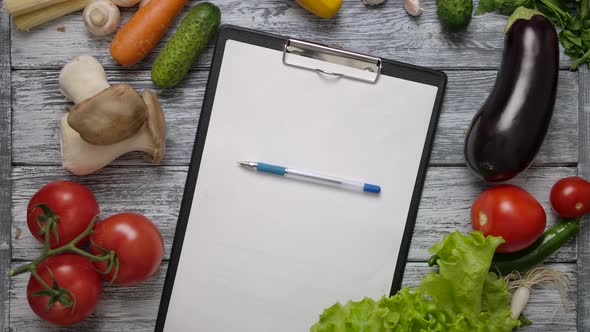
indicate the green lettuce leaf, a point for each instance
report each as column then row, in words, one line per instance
column 462, row 296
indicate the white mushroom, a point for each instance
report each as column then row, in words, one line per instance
column 82, row 158
column 101, row 17
column 82, row 78
column 412, row 7
column 126, row 3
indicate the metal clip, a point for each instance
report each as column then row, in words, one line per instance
column 358, row 66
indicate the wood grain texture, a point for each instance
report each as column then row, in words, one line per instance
column 385, row 31
column 157, row 191
column 5, row 168
column 135, row 308
column 584, row 234
column 131, row 184
column 38, row 106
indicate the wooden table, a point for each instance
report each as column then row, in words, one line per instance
column 30, row 106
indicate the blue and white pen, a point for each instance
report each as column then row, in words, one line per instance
column 303, row 175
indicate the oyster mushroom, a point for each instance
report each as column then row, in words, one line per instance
column 112, row 116
column 106, row 121
column 82, row 158
column 156, row 123
column 103, row 114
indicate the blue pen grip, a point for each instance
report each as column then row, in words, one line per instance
column 267, row 168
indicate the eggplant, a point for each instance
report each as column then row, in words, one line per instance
column 506, row 134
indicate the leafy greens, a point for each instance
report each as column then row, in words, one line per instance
column 573, row 21
column 462, row 296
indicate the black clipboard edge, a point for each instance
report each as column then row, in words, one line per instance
column 259, row 38
column 419, row 184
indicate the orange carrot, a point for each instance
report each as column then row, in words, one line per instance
column 138, row 37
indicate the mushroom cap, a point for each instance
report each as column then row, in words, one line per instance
column 110, row 117
column 101, row 17
column 156, row 122
column 126, row 3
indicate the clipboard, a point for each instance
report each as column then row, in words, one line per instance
column 248, row 252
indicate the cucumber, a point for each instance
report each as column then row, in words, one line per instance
column 195, row 32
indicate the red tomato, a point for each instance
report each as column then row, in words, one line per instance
column 570, row 197
column 137, row 243
column 510, row 212
column 74, row 205
column 73, row 273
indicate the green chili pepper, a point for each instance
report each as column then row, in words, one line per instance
column 545, row 246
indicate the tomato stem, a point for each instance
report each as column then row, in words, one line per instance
column 70, row 247
column 40, row 280
column 49, row 226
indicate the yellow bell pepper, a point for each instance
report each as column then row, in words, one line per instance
column 321, row 8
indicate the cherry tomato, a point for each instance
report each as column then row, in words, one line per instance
column 77, row 283
column 73, row 205
column 137, row 242
column 510, row 212
column 570, row 197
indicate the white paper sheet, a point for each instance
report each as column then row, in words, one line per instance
column 264, row 253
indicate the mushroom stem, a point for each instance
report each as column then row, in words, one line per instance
column 98, row 16
column 81, row 78
column 82, row 158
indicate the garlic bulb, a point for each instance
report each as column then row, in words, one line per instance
column 413, row 7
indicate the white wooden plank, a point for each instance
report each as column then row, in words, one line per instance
column 5, row 168
column 584, row 236
column 386, row 31
column 135, row 308
column 38, row 106
column 157, row 191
